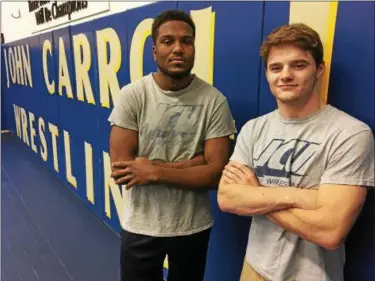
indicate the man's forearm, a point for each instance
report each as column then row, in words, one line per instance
column 312, row 225
column 173, row 165
column 247, row 200
column 116, row 158
column 183, row 164
column 201, row 176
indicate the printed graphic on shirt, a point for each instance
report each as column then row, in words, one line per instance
column 284, row 163
column 172, row 124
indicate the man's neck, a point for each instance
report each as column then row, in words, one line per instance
column 168, row 83
column 301, row 109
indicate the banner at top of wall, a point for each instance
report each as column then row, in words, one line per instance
column 44, row 15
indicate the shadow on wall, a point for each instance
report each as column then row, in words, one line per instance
column 360, row 244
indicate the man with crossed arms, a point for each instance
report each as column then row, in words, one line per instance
column 302, row 171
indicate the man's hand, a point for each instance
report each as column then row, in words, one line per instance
column 239, row 173
column 140, row 171
column 143, row 170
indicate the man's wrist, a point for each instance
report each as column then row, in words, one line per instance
column 305, row 199
column 184, row 164
column 156, row 162
column 155, row 174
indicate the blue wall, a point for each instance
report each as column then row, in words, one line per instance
column 352, row 89
column 237, row 72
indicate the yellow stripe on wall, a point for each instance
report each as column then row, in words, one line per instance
column 320, row 16
column 204, row 20
column 211, row 54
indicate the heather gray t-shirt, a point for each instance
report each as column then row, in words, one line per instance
column 172, row 126
column 329, row 147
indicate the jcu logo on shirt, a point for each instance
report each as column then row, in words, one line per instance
column 284, row 163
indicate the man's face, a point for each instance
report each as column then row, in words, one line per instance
column 291, row 73
column 174, row 49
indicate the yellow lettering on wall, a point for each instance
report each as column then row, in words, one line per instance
column 108, row 82
column 54, row 133
column 24, row 126
column 26, row 62
column 137, row 47
column 68, row 160
column 32, row 131
column 12, row 66
column 323, row 20
column 166, row 264
column 43, row 142
column 47, row 47
column 81, row 47
column 89, row 173
column 111, row 188
column 64, row 78
column 6, row 66
column 19, row 68
column 204, row 20
column 17, row 118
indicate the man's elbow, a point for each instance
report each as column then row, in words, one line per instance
column 224, row 199
column 214, row 174
column 332, row 241
column 331, row 245
column 214, row 180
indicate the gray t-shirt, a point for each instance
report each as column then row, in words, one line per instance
column 172, row 126
column 330, row 147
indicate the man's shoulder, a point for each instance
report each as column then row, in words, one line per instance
column 346, row 123
column 260, row 121
column 209, row 89
column 136, row 85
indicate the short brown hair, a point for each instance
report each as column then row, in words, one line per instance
column 298, row 34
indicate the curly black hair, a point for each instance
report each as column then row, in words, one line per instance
column 170, row 15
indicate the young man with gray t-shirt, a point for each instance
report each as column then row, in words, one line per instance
column 302, row 171
column 169, row 144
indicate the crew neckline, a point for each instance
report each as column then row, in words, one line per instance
column 170, row 92
column 299, row 120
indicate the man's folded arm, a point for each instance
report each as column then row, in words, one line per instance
column 253, row 200
column 338, row 207
column 216, row 155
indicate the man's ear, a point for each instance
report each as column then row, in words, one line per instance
column 320, row 70
column 266, row 73
column 154, row 52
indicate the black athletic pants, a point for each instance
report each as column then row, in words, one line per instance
column 142, row 256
